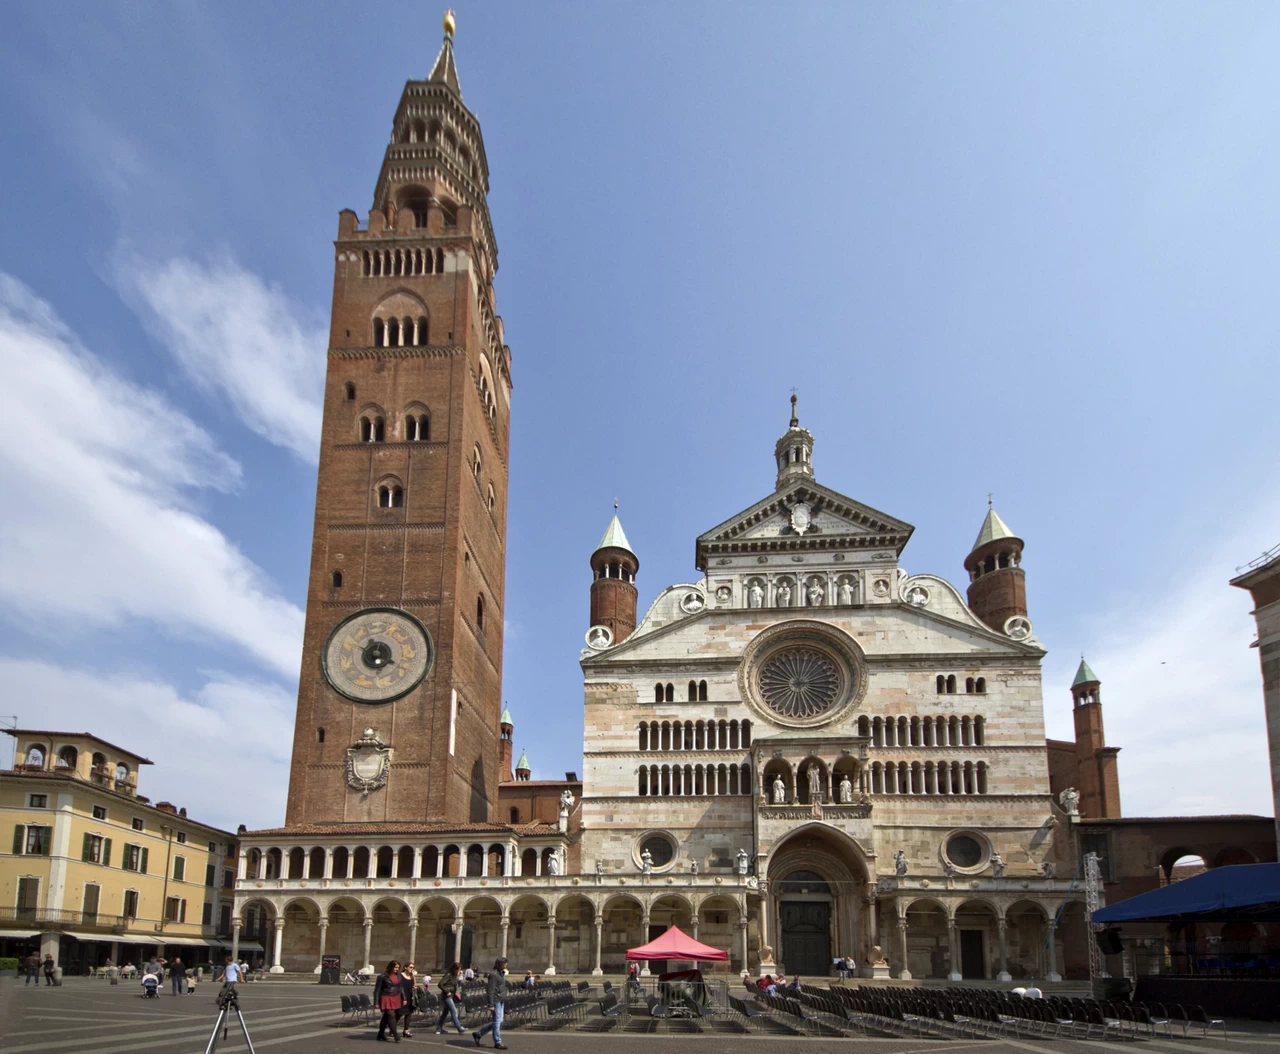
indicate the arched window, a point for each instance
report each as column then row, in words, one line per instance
column 122, row 772
column 980, row 686
column 368, row 264
column 643, row 789
column 393, row 333
column 319, row 735
column 476, row 464
column 349, row 390
column 421, row 335
column 989, row 564
column 979, row 731
column 480, row 612
column 951, row 684
column 702, row 691
column 968, row 685
column 390, row 496
column 693, row 691
column 942, row 684
column 515, row 814
column 439, row 261
column 491, row 500
column 67, row 757
column 372, row 429
column 671, row 693
column 746, row 734
column 379, row 333
column 657, row 693
column 644, row 736
column 335, row 579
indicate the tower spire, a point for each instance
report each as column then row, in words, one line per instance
column 445, row 70
column 793, row 453
column 997, row 583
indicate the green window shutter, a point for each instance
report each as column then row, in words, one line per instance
column 182, row 911
column 143, row 865
column 106, row 853
column 19, row 836
column 179, row 868
column 87, row 848
column 46, row 843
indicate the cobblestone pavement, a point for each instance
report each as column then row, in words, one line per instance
column 89, row 1016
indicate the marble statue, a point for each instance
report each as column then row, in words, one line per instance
column 846, row 791
column 779, row 791
column 553, row 864
column 599, row 867
column 600, row 637
column 693, row 867
column 1048, row 870
column 646, row 862
column 742, row 861
column 755, row 596
column 816, row 594
column 814, row 775
column 948, row 867
column 566, row 802
column 784, row 595
column 997, row 865
column 846, row 593
column 1069, row 799
column 899, row 863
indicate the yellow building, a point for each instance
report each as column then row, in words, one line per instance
column 95, row 871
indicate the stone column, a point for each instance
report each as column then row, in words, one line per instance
column 235, row 938
column 1051, row 953
column 324, row 933
column 694, row 926
column 275, row 954
column 328, row 862
column 413, row 939
column 458, row 926
column 904, row 973
column 506, row 925
column 1002, row 927
column 417, row 861
column 644, row 939
column 742, row 925
column 953, row 951
column 550, row 971
column 242, row 865
column 368, row 943
column 597, row 971
column 484, row 861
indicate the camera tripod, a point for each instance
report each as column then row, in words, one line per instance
column 228, row 1000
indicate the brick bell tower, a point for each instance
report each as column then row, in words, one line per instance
column 997, row 583
column 613, row 584
column 1096, row 762
column 400, row 692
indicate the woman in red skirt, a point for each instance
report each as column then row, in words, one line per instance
column 388, row 996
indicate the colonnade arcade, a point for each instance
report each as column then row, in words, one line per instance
column 548, row 932
column 435, row 860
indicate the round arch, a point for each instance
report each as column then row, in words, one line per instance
column 624, row 918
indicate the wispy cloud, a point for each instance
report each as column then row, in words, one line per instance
column 239, row 337
column 1182, row 690
column 229, row 733
column 98, row 475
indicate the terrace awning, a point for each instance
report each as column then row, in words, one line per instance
column 1235, row 892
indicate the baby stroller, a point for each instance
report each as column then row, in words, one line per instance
column 151, row 987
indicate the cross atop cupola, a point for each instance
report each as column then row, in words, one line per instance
column 794, row 451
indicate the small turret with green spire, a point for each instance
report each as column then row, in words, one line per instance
column 523, row 772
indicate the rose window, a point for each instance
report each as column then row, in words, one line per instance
column 800, row 683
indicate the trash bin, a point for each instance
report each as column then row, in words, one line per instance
column 57, row 976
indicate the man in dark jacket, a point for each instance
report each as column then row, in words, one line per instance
column 497, row 1003
column 32, row 963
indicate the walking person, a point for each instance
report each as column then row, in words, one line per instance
column 408, row 989
column 388, row 997
column 49, row 966
column 177, row 976
column 233, row 972
column 32, row 963
column 497, row 1004
column 449, row 998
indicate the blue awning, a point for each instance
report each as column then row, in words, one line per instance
column 1237, row 891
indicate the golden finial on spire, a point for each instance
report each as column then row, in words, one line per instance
column 450, row 23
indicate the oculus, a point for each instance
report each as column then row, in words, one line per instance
column 377, row 655
column 599, row 638
column 692, row 603
column 802, row 673
column 966, row 851
column 1017, row 627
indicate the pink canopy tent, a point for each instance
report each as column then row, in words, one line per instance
column 676, row 944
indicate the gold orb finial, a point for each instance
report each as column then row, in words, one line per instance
column 450, row 23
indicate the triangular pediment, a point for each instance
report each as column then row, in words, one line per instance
column 804, row 516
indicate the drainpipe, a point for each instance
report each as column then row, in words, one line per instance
column 164, row 896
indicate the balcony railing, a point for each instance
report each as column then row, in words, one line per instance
column 58, row 919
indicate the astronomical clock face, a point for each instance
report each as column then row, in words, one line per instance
column 377, row 655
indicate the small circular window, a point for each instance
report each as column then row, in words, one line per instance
column 659, row 849
column 965, row 851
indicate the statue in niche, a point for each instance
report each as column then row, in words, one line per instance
column 846, row 790
column 553, row 864
column 755, row 596
column 814, row 774
column 1069, row 799
column 899, row 863
column 779, row 791
column 846, row 593
column 816, row 594
column 693, row 867
column 599, row 867
column 1048, row 870
column 784, row 594
column 997, row 865
column 646, row 862
column 742, row 861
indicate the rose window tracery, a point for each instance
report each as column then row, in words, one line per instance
column 799, row 683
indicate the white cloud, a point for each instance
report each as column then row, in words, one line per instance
column 218, row 753
column 238, row 336
column 96, row 473
column 1182, row 691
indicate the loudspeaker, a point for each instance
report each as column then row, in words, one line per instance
column 1109, row 941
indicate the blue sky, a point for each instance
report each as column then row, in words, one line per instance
column 1028, row 249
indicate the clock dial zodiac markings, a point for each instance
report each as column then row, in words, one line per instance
column 377, row 655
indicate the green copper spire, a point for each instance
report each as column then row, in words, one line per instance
column 992, row 528
column 523, row 763
column 614, row 537
column 505, row 719
column 1084, row 675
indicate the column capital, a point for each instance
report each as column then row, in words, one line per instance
column 505, row 921
column 1001, row 923
column 551, row 923
column 413, row 923
column 324, row 922
column 236, row 922
column 368, row 924
column 279, row 922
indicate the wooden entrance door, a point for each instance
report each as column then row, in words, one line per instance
column 806, row 938
column 972, row 960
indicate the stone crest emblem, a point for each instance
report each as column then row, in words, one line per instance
column 368, row 762
column 801, row 517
